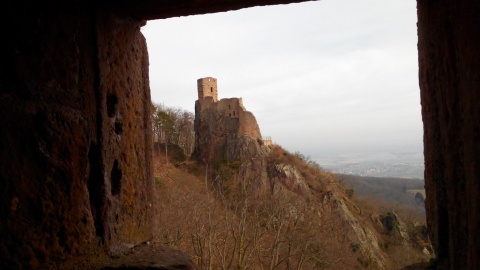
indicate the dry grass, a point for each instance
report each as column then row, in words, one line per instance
column 282, row 231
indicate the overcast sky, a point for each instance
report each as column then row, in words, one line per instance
column 332, row 76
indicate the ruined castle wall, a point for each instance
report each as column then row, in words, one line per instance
column 240, row 103
column 230, row 107
column 233, row 107
column 221, row 124
column 206, row 103
column 249, row 125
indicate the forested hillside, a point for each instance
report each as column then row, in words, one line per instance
column 395, row 192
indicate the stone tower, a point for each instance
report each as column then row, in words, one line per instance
column 207, row 87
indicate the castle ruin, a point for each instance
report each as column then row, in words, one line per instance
column 231, row 107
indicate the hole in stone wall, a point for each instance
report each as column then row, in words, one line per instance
column 116, row 178
column 96, row 188
column 112, row 102
column 62, row 238
column 118, row 127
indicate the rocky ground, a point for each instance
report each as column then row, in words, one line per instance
column 152, row 256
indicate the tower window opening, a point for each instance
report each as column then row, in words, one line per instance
column 211, row 89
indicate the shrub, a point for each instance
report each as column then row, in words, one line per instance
column 350, row 192
column 354, row 247
column 389, row 220
column 159, row 181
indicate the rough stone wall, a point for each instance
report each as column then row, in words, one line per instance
column 233, row 108
column 249, row 125
column 220, row 120
column 230, row 106
column 449, row 61
column 75, row 173
column 126, row 131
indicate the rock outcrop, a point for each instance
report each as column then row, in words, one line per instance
column 286, row 176
column 152, row 256
column 360, row 235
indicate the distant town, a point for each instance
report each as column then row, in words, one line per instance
column 381, row 164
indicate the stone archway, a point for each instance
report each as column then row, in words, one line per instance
column 75, row 175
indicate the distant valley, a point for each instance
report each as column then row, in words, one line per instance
column 391, row 192
column 379, row 164
column 395, row 178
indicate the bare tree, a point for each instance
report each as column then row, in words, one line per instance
column 173, row 126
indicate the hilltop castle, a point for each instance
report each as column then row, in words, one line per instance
column 231, row 107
